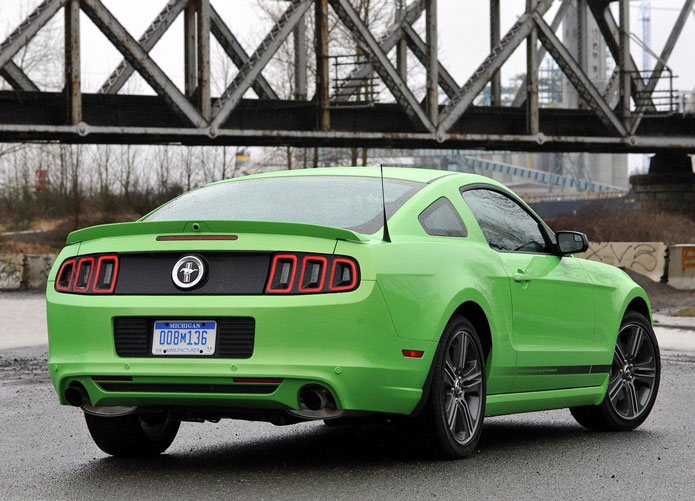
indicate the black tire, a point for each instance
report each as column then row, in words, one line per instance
column 455, row 408
column 633, row 382
column 134, row 435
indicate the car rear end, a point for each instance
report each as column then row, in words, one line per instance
column 284, row 317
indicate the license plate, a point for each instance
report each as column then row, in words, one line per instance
column 184, row 337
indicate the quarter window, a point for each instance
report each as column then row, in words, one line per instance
column 441, row 219
column 507, row 226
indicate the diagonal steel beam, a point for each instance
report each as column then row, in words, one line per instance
column 520, row 96
column 576, row 75
column 250, row 71
column 419, row 49
column 141, row 61
column 381, row 63
column 17, row 78
column 611, row 34
column 492, row 63
column 387, row 42
column 642, row 108
column 147, row 41
column 28, row 29
column 237, row 54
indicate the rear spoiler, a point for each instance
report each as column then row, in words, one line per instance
column 202, row 227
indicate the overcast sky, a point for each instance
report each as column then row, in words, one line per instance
column 463, row 35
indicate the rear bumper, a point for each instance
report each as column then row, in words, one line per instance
column 345, row 342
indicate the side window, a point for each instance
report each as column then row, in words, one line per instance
column 506, row 224
column 441, row 219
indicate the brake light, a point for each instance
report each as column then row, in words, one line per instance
column 317, row 274
column 313, row 273
column 105, row 278
column 65, row 274
column 94, row 274
column 282, row 274
column 343, row 275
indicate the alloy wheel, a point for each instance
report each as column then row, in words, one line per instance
column 633, row 373
column 463, row 386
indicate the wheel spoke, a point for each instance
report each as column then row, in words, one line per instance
column 449, row 374
column 644, row 372
column 451, row 412
column 461, row 349
column 473, row 379
column 619, row 356
column 466, row 417
column 615, row 387
column 636, row 343
column 632, row 398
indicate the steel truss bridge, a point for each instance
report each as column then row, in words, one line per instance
column 623, row 117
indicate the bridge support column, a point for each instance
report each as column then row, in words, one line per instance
column 495, row 27
column 73, row 90
column 322, row 76
column 669, row 185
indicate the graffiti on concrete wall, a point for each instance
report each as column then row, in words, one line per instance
column 36, row 269
column 11, row 269
column 647, row 258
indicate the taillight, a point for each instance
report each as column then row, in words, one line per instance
column 65, row 274
column 313, row 274
column 297, row 273
column 343, row 275
column 282, row 274
column 88, row 275
column 105, row 277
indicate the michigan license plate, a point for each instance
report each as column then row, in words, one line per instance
column 184, row 337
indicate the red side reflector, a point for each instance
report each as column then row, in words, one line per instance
column 112, row 378
column 413, row 353
column 180, row 238
column 275, row 380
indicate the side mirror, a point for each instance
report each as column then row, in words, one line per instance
column 571, row 242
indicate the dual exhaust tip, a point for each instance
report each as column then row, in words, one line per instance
column 316, row 398
column 76, row 395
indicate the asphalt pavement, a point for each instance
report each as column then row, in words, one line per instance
column 46, row 453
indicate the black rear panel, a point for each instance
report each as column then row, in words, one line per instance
column 228, row 273
column 235, row 337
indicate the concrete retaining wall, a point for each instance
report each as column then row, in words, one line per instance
column 24, row 271
column 646, row 258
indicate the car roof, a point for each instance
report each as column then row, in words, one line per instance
column 420, row 175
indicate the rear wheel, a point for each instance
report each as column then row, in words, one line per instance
column 456, row 405
column 134, row 435
column 633, row 383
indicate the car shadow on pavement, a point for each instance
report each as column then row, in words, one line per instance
column 323, row 450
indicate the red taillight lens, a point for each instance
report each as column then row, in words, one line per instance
column 282, row 274
column 105, row 278
column 343, row 275
column 94, row 274
column 83, row 276
column 65, row 274
column 318, row 273
column 313, row 274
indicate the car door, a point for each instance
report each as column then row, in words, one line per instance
column 553, row 312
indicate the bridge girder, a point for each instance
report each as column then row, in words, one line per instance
column 192, row 116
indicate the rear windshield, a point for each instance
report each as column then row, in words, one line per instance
column 351, row 203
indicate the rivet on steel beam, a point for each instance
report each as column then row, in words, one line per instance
column 82, row 129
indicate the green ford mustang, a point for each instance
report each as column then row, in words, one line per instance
column 284, row 298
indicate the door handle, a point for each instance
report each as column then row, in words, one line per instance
column 520, row 276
